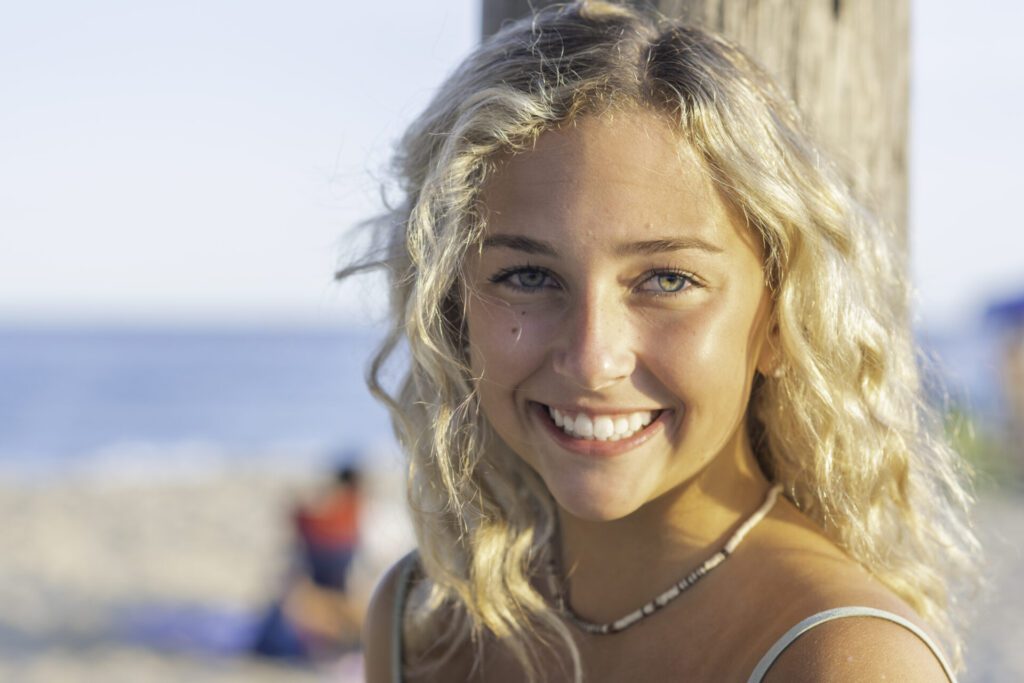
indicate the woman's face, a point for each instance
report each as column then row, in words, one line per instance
column 616, row 314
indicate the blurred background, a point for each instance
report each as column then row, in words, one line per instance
column 184, row 428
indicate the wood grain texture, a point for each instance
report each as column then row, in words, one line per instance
column 844, row 62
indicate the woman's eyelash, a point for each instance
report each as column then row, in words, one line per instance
column 507, row 276
column 683, row 280
column 670, row 281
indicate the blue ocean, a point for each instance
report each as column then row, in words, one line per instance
column 155, row 399
column 70, row 397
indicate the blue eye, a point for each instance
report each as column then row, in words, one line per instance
column 525, row 278
column 671, row 282
column 661, row 282
column 530, row 278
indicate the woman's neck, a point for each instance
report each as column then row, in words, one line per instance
column 613, row 567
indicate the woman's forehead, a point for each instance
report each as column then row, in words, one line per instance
column 632, row 146
column 628, row 176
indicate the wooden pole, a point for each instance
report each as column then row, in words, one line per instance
column 844, row 62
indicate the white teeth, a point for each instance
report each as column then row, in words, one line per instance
column 601, row 427
column 583, row 426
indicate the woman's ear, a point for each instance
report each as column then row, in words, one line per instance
column 769, row 361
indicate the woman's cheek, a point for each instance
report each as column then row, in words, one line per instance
column 711, row 350
column 686, row 352
column 505, row 337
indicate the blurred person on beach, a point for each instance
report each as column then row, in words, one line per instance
column 315, row 619
column 662, row 414
column 328, row 527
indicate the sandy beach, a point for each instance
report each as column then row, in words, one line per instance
column 994, row 652
column 142, row 578
column 160, row 578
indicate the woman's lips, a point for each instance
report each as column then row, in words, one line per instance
column 597, row 447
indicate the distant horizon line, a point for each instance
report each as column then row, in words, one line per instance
column 128, row 324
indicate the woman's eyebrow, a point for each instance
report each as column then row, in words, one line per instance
column 526, row 244
column 658, row 246
column 642, row 248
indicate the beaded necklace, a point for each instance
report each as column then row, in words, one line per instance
column 674, row 591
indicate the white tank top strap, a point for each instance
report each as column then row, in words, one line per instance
column 403, row 585
column 841, row 613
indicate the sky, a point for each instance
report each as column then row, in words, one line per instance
column 202, row 162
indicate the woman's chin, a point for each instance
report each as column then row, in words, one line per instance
column 588, row 504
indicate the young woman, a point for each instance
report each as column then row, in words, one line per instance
column 662, row 414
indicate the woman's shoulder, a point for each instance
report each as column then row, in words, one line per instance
column 844, row 624
column 859, row 646
column 381, row 630
column 389, row 644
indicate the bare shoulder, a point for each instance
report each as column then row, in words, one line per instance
column 809, row 575
column 857, row 649
column 379, row 627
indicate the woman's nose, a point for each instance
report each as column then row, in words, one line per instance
column 594, row 350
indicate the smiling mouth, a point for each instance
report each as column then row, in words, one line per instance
column 610, row 427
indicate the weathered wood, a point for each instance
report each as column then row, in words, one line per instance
column 845, row 63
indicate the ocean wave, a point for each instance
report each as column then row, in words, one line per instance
column 128, row 461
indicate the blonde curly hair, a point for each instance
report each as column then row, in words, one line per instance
column 843, row 428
